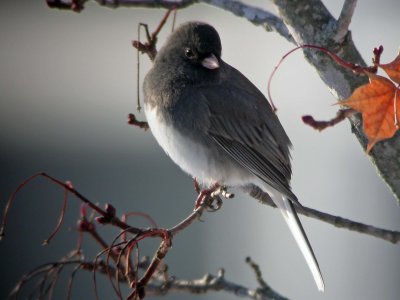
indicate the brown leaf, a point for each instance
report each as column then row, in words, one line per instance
column 377, row 101
column 393, row 69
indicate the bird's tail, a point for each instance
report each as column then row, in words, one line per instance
column 289, row 213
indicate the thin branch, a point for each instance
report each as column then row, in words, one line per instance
column 159, row 287
column 384, row 234
column 257, row 271
column 211, row 283
column 107, row 216
column 255, row 15
column 135, row 122
column 344, row 20
column 341, row 115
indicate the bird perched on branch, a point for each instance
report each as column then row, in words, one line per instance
column 217, row 126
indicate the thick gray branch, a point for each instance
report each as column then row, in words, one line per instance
column 344, row 20
column 255, row 15
column 384, row 234
column 311, row 23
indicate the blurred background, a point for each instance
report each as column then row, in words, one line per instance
column 67, row 83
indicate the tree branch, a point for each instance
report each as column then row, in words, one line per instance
column 153, row 281
column 322, row 30
column 157, row 282
column 384, row 234
column 255, row 15
column 212, row 283
column 159, row 286
column 344, row 20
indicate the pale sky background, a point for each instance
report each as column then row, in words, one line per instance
column 67, row 83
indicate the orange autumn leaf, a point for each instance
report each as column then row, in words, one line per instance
column 377, row 101
column 393, row 69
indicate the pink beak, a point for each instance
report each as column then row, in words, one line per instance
column 210, row 62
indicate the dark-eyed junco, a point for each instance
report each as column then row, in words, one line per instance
column 217, row 126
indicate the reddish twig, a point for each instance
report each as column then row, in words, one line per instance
column 107, row 216
column 355, row 68
column 196, row 186
column 154, row 264
column 118, row 252
column 10, row 202
column 107, row 270
column 149, row 47
column 167, row 235
column 60, row 220
column 376, row 60
column 133, row 121
column 341, row 115
column 71, row 280
column 147, row 217
column 48, row 270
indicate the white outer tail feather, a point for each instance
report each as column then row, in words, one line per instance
column 292, row 220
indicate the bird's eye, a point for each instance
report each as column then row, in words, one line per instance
column 189, row 53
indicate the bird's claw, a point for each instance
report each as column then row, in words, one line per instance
column 210, row 198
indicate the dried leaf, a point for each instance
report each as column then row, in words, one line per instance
column 377, row 101
column 393, row 69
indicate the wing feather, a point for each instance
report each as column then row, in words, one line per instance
column 243, row 124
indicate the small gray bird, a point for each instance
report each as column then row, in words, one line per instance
column 217, row 126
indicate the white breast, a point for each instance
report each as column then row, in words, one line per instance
column 192, row 157
column 188, row 155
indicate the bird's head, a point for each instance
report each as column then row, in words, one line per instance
column 192, row 49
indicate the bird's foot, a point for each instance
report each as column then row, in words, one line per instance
column 210, row 198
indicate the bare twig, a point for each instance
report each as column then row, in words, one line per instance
column 203, row 204
column 257, row 271
column 107, row 215
column 60, row 220
column 211, row 283
column 153, row 283
column 384, row 234
column 149, row 48
column 114, row 251
column 341, row 115
column 344, row 20
column 141, row 124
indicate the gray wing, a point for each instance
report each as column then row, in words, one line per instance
column 242, row 122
